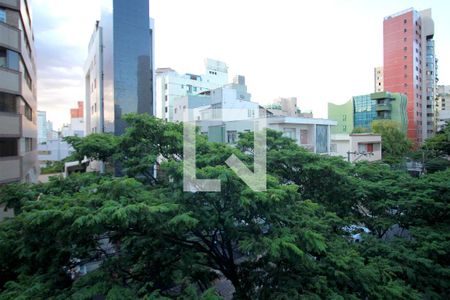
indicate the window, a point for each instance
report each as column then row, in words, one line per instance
column 28, row 112
column 289, row 133
column 344, row 117
column 303, row 136
column 8, row 147
column 231, row 136
column 28, row 145
column 404, row 30
column 3, row 58
column 28, row 79
column 8, row 103
column 9, row 59
column 363, row 148
column 2, row 15
column 404, row 21
column 165, row 86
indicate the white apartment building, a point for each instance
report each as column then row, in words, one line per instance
column 171, row 85
column 443, row 105
column 223, row 113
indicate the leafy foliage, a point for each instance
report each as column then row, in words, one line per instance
column 395, row 143
column 142, row 237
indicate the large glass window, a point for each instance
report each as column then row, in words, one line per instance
column 2, row 15
column 321, row 139
column 8, row 103
column 28, row 112
column 8, row 147
column 9, row 59
column 3, row 57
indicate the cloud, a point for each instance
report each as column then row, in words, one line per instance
column 62, row 31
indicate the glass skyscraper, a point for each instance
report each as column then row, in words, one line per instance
column 119, row 69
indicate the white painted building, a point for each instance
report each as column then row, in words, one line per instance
column 223, row 113
column 443, row 105
column 357, row 147
column 171, row 85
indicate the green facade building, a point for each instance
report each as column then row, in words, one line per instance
column 361, row 111
column 344, row 116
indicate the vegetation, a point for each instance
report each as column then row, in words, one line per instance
column 151, row 240
column 395, row 144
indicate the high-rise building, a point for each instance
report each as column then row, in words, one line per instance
column 410, row 67
column 42, row 127
column 119, row 67
column 443, row 105
column 18, row 113
column 172, row 85
column 378, row 79
column 362, row 110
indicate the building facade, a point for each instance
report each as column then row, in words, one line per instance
column 223, row 113
column 287, row 107
column 171, row 85
column 378, row 79
column 42, row 127
column 76, row 127
column 119, row 68
column 18, row 113
column 343, row 115
column 410, row 67
column 362, row 110
column 356, row 147
column 443, row 105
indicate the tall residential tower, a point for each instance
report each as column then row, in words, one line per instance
column 410, row 67
column 119, row 68
column 18, row 114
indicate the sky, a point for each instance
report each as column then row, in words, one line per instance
column 318, row 51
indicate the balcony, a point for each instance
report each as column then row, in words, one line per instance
column 10, row 36
column 10, row 81
column 13, row 165
column 10, row 125
column 384, row 107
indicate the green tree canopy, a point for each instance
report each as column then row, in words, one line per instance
column 142, row 237
column 395, row 144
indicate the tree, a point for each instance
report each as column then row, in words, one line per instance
column 96, row 146
column 151, row 240
column 395, row 143
column 440, row 143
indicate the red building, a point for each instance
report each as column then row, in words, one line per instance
column 77, row 112
column 406, row 37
